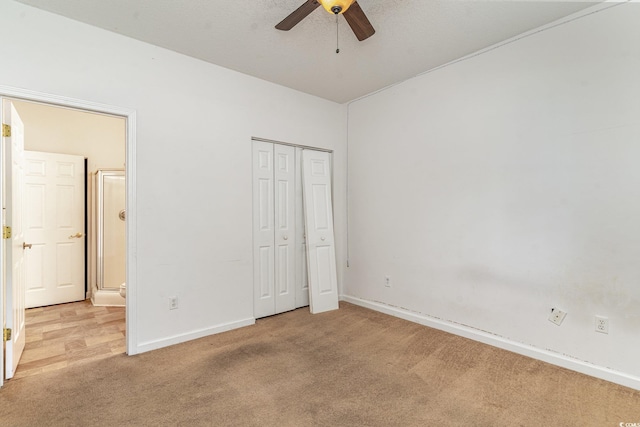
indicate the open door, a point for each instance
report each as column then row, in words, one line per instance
column 13, row 241
column 318, row 212
column 3, row 249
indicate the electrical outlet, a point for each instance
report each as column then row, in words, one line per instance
column 173, row 303
column 557, row 316
column 387, row 281
column 602, row 324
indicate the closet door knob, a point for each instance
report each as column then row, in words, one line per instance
column 286, row 237
column 322, row 238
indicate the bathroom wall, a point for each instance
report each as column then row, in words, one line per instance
column 194, row 123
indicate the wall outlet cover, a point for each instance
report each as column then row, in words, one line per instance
column 557, row 316
column 602, row 324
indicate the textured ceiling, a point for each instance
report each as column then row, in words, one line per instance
column 412, row 36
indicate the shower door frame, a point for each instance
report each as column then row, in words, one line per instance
column 100, row 175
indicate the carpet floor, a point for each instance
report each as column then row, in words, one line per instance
column 350, row 367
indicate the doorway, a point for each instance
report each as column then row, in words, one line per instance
column 41, row 138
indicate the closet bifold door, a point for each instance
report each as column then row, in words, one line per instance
column 274, row 238
column 318, row 215
column 302, row 282
column 285, row 227
column 263, row 230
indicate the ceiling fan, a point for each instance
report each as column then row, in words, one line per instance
column 351, row 10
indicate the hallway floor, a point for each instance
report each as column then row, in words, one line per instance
column 65, row 335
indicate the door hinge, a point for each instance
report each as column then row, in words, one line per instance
column 6, row 334
column 6, row 130
column 6, row 232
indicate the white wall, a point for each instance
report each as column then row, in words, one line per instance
column 503, row 185
column 193, row 139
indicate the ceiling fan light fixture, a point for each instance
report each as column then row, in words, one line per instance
column 353, row 14
column 336, row 6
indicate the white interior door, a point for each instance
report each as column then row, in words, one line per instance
column 54, row 227
column 14, row 278
column 263, row 230
column 302, row 282
column 285, row 228
column 318, row 213
column 3, row 221
column 274, row 228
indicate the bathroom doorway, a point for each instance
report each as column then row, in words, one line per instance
column 101, row 139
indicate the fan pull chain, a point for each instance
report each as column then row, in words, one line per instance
column 337, row 36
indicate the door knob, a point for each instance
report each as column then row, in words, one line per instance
column 322, row 238
column 26, row 245
column 76, row 236
column 286, row 237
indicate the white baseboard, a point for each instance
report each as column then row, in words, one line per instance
column 110, row 298
column 503, row 343
column 177, row 339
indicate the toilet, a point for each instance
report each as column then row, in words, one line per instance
column 123, row 290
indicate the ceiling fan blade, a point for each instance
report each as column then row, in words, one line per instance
column 298, row 15
column 358, row 22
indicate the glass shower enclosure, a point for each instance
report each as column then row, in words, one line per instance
column 110, row 236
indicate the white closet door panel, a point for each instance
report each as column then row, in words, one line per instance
column 265, row 272
column 285, row 227
column 302, row 282
column 321, row 258
column 263, row 229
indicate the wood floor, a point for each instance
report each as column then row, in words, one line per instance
column 64, row 335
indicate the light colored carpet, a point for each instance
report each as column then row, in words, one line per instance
column 350, row 367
